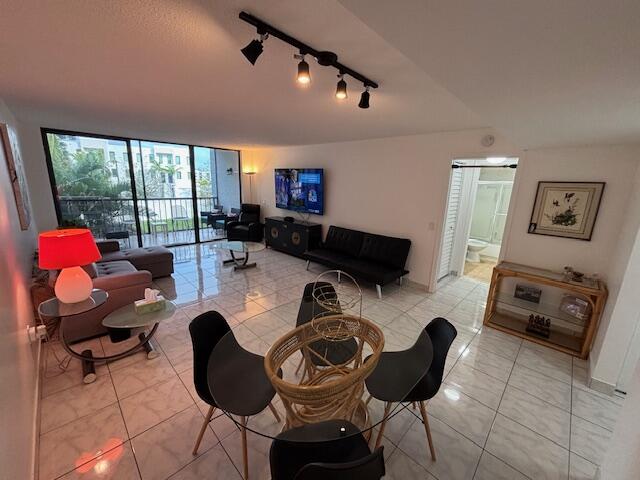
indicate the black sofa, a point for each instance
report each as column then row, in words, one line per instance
column 373, row 258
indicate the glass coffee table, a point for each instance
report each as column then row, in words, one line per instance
column 122, row 321
column 238, row 246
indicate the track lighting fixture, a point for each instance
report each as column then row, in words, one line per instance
column 364, row 98
column 254, row 49
column 341, row 88
column 325, row 59
column 304, row 77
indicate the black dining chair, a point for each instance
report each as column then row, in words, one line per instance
column 332, row 449
column 335, row 353
column 247, row 393
column 432, row 346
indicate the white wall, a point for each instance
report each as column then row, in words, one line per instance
column 17, row 357
column 621, row 312
column 615, row 165
column 398, row 186
column 393, row 186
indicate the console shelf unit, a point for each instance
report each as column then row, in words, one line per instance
column 568, row 334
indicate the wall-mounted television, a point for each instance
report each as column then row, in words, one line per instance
column 300, row 189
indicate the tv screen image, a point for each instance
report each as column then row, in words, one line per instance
column 300, row 190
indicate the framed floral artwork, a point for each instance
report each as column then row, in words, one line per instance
column 16, row 174
column 566, row 209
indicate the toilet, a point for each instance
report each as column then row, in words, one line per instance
column 474, row 247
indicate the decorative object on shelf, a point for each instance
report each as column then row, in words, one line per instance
column 539, row 326
column 571, row 334
column 528, row 293
column 575, row 306
column 572, row 276
column 69, row 250
column 152, row 302
column 326, row 59
column 566, row 209
column 16, row 174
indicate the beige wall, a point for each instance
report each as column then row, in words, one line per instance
column 398, row 186
column 394, row 186
column 17, row 358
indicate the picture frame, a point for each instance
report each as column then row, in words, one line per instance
column 15, row 169
column 527, row 292
column 566, row 209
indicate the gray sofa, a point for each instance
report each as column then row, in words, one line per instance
column 124, row 275
column 157, row 260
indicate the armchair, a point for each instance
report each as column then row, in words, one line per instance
column 248, row 227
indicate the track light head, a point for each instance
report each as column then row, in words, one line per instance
column 254, row 49
column 304, row 76
column 341, row 88
column 364, row 98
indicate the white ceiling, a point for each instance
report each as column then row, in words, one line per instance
column 545, row 72
column 173, row 70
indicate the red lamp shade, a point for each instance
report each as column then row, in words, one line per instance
column 71, row 247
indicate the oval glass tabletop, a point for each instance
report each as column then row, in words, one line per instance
column 319, row 384
column 238, row 246
column 126, row 317
column 55, row 308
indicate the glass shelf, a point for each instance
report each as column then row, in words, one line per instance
column 551, row 311
column 519, row 326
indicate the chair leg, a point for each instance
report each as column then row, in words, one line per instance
column 308, row 263
column 339, row 277
column 245, row 454
column 425, row 421
column 207, row 419
column 274, row 411
column 387, row 408
column 379, row 290
column 300, row 365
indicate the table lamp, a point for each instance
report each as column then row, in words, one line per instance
column 68, row 250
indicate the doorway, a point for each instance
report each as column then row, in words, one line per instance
column 477, row 206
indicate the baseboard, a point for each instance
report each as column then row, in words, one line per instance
column 600, row 386
column 416, row 285
column 36, row 417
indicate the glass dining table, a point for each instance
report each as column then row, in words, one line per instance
column 323, row 404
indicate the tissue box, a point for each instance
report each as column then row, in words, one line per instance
column 144, row 306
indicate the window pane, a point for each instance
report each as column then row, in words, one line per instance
column 92, row 183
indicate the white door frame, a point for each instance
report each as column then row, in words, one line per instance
column 433, row 277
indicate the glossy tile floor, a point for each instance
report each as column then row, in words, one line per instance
column 507, row 409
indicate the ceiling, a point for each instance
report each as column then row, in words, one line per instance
column 545, row 72
column 173, row 70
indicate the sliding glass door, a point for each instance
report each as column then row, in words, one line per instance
column 92, row 185
column 217, row 180
column 142, row 192
column 164, row 191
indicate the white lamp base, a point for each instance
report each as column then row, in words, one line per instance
column 73, row 285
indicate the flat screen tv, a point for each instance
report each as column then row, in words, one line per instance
column 300, row 190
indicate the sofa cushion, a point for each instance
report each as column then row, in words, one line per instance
column 370, row 271
column 389, row 251
column 120, row 274
column 91, row 270
column 158, row 260
column 343, row 240
column 326, row 257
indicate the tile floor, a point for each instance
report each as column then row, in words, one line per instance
column 480, row 271
column 507, row 409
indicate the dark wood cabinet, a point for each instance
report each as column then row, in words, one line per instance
column 293, row 238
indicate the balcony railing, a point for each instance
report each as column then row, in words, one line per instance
column 158, row 216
